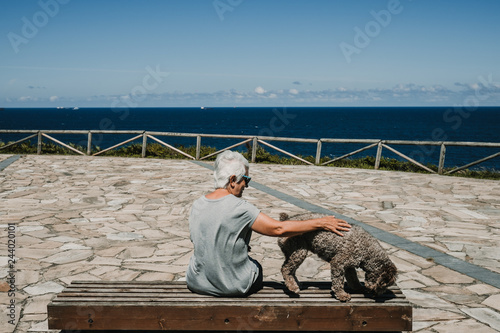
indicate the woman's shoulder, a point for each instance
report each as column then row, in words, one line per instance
column 225, row 201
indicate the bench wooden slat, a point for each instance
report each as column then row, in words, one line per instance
column 221, row 300
column 118, row 294
column 269, row 285
column 130, row 287
column 86, row 305
column 179, row 291
column 176, row 294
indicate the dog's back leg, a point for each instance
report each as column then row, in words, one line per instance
column 295, row 253
column 352, row 278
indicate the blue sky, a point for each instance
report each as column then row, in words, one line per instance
column 249, row 53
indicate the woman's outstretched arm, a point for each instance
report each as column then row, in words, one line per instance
column 268, row 226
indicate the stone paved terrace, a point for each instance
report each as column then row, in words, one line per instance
column 99, row 218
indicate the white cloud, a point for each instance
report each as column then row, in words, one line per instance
column 399, row 95
column 259, row 90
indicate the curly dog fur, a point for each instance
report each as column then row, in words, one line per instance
column 357, row 249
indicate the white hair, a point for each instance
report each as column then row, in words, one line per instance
column 227, row 164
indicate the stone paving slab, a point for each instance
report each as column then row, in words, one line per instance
column 99, row 218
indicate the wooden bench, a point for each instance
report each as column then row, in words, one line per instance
column 102, row 305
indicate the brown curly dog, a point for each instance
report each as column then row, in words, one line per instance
column 357, row 249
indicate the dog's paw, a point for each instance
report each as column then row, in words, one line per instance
column 292, row 285
column 370, row 288
column 294, row 289
column 342, row 296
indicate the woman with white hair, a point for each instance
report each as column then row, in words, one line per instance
column 221, row 224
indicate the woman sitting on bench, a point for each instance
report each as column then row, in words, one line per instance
column 221, row 225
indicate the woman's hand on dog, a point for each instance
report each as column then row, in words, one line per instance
column 333, row 224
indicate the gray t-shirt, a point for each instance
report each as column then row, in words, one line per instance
column 220, row 231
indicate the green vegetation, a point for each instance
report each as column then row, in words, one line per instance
column 49, row 148
column 156, row 150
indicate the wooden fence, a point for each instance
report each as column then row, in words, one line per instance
column 256, row 140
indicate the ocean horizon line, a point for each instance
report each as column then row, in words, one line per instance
column 253, row 107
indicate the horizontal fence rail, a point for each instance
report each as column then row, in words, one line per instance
column 256, row 141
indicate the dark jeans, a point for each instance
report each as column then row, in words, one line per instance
column 257, row 285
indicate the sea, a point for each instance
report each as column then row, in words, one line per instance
column 478, row 124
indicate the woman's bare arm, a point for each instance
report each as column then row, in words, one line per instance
column 268, row 226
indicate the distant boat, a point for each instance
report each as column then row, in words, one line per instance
column 76, row 108
column 205, row 108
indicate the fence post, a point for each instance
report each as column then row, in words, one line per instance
column 318, row 152
column 39, row 146
column 198, row 147
column 89, row 144
column 379, row 155
column 144, row 144
column 441, row 158
column 254, row 149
